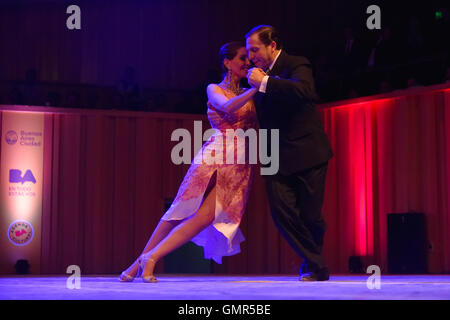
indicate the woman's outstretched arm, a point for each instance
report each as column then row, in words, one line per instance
column 219, row 101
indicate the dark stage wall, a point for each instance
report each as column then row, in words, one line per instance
column 170, row 44
column 107, row 173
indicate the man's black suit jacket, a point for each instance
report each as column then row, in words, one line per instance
column 289, row 105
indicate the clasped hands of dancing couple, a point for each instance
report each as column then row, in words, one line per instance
column 212, row 197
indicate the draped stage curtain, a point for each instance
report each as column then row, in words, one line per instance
column 108, row 173
column 392, row 155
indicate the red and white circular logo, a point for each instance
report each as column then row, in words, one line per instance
column 20, row 232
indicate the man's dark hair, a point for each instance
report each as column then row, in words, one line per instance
column 266, row 35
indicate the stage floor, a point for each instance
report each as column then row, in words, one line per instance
column 214, row 287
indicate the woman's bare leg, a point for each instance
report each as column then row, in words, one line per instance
column 165, row 227
column 184, row 232
column 161, row 231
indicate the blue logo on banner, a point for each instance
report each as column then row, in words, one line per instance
column 15, row 176
column 11, row 137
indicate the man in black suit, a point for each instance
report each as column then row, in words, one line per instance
column 286, row 101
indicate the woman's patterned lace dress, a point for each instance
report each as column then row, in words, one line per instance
column 233, row 181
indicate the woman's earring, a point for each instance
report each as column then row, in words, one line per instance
column 229, row 75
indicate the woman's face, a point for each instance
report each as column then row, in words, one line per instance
column 239, row 64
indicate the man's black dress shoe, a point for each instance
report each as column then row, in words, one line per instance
column 320, row 275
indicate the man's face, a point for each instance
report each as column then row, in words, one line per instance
column 258, row 53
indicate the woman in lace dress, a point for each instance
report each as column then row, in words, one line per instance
column 211, row 200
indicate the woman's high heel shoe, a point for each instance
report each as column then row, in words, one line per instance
column 125, row 277
column 141, row 263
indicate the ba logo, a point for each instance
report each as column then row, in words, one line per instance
column 11, row 137
column 20, row 232
column 15, row 176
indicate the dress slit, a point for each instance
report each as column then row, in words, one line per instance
column 210, row 186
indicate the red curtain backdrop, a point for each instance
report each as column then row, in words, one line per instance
column 392, row 155
column 107, row 174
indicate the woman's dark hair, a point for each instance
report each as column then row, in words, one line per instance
column 229, row 51
column 266, row 35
